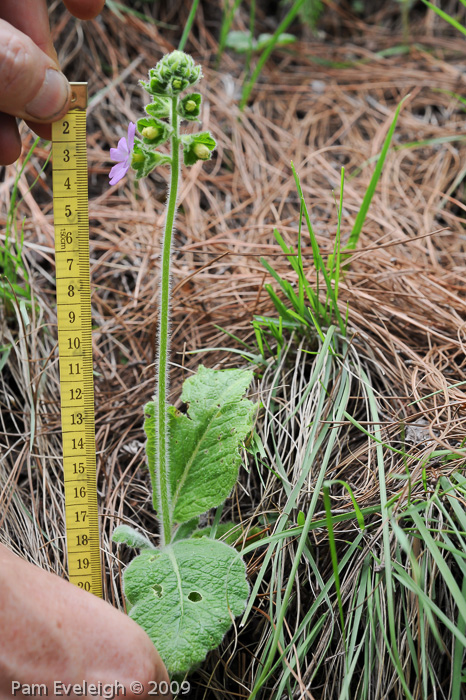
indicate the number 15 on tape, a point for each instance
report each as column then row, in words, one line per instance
column 71, row 223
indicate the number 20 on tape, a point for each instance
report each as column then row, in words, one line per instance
column 71, row 223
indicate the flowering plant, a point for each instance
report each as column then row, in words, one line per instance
column 185, row 593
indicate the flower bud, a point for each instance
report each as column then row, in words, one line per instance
column 197, row 147
column 154, row 131
column 150, row 132
column 201, row 151
column 173, row 73
column 137, row 159
column 190, row 106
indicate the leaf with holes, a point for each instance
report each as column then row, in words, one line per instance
column 185, row 597
column 204, row 444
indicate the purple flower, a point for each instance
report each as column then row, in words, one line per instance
column 122, row 155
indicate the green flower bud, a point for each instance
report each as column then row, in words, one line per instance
column 150, row 132
column 197, row 147
column 173, row 73
column 177, row 62
column 201, row 150
column 190, row 106
column 153, row 131
column 137, row 159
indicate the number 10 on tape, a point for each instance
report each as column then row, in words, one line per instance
column 71, row 222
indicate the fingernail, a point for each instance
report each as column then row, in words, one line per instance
column 52, row 96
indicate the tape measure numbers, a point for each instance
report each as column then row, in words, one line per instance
column 71, row 222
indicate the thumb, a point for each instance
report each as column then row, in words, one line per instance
column 32, row 86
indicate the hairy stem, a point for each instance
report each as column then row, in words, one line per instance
column 161, row 429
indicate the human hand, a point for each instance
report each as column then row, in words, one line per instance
column 32, row 87
column 52, row 631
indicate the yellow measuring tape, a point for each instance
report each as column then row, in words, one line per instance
column 71, row 221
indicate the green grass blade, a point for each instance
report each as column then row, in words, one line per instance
column 316, row 441
column 451, row 20
column 429, row 605
column 341, row 401
column 282, row 27
column 357, row 510
column 443, row 567
column 188, row 25
column 458, row 654
column 318, row 260
column 391, row 639
column 361, row 217
column 227, row 21
column 334, row 558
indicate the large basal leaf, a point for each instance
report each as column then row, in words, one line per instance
column 204, row 444
column 185, row 597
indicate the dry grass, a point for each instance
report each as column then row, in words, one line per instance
column 406, row 289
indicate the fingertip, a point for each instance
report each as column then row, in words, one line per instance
column 10, row 142
column 42, row 130
column 31, row 87
column 84, row 9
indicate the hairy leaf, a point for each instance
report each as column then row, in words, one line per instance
column 131, row 537
column 159, row 107
column 204, row 445
column 239, row 41
column 185, row 597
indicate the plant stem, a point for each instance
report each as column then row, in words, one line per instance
column 161, row 429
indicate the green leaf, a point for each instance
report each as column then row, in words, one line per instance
column 185, row 596
column 144, row 161
column 241, row 42
column 149, row 429
column 197, row 147
column 190, row 107
column 159, row 107
column 185, row 531
column 204, row 445
column 154, row 85
column 263, row 40
column 132, row 538
column 364, row 208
